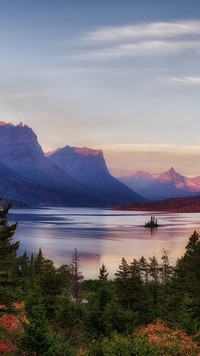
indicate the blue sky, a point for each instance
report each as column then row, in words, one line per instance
column 121, row 76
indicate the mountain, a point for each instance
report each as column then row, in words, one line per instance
column 21, row 192
column 163, row 185
column 89, row 168
column 28, row 176
column 21, row 152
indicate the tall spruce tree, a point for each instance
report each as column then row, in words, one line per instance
column 8, row 255
column 122, row 280
column 103, row 273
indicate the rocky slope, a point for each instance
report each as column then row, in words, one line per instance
column 89, row 168
column 21, row 192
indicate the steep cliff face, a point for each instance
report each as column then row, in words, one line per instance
column 19, row 146
column 21, row 151
column 88, row 167
column 80, row 162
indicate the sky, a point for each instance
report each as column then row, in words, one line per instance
column 120, row 76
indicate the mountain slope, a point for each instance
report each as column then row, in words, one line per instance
column 163, row 185
column 17, row 189
column 21, row 152
column 89, row 168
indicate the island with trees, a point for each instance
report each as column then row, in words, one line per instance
column 152, row 223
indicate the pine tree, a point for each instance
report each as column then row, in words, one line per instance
column 186, row 320
column 39, row 263
column 144, row 268
column 122, row 278
column 103, row 274
column 8, row 255
column 37, row 337
column 186, row 279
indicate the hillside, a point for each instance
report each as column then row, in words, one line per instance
column 178, row 205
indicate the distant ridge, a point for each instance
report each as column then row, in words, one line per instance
column 163, row 185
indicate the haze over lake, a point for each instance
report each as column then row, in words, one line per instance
column 101, row 235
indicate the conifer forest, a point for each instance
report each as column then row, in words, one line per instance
column 149, row 308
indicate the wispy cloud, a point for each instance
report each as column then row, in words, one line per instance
column 150, row 39
column 184, row 80
column 146, row 48
column 143, row 30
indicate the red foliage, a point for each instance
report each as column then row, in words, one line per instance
column 6, row 347
column 169, row 340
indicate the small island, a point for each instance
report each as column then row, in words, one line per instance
column 152, row 223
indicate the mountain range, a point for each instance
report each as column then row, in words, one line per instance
column 169, row 184
column 74, row 176
column 68, row 177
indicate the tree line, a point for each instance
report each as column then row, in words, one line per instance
column 67, row 315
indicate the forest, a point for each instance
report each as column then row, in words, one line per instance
column 149, row 308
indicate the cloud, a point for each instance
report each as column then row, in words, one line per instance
column 148, row 30
column 146, row 39
column 146, row 48
column 184, row 80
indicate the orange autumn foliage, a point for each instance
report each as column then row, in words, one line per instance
column 175, row 342
column 10, row 322
column 10, row 325
column 6, row 347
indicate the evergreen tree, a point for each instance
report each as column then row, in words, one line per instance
column 186, row 278
column 122, row 279
column 37, row 335
column 103, row 274
column 39, row 263
column 8, row 258
column 154, row 269
column 185, row 281
column 144, row 268
column 186, row 319
column 138, row 298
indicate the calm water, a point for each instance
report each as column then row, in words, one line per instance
column 101, row 235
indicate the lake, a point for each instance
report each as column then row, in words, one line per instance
column 101, row 235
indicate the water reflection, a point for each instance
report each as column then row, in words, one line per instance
column 100, row 235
